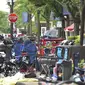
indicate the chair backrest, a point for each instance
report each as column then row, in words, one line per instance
column 66, row 52
column 47, row 51
column 59, row 52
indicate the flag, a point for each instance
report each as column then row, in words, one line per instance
column 25, row 17
column 65, row 12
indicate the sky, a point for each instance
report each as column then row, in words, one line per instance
column 4, row 6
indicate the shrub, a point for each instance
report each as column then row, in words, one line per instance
column 75, row 38
column 81, row 63
column 77, row 41
column 71, row 38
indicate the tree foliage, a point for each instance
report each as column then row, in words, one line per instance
column 4, row 24
column 73, row 6
column 46, row 6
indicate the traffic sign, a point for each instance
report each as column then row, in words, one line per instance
column 13, row 17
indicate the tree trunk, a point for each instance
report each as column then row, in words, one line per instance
column 63, row 26
column 82, row 25
column 76, row 20
column 30, row 24
column 25, row 28
column 39, row 26
column 76, row 28
column 28, row 29
column 48, row 24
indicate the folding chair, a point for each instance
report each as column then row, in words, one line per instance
column 46, row 63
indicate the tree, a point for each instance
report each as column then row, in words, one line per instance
column 57, row 8
column 24, row 6
column 31, row 7
column 73, row 6
column 45, row 7
column 4, row 24
column 77, row 10
column 82, row 22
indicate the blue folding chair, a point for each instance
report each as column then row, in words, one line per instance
column 59, row 55
column 66, row 50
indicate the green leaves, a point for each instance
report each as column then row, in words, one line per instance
column 45, row 7
column 3, row 21
column 73, row 6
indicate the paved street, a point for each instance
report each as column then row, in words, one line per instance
column 27, row 83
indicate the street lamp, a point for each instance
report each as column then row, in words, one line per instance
column 11, row 4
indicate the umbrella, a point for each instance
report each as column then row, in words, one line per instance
column 70, row 28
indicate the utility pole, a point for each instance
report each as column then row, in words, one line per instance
column 11, row 4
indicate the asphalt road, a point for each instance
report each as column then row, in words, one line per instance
column 27, row 83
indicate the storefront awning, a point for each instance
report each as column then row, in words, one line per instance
column 69, row 28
